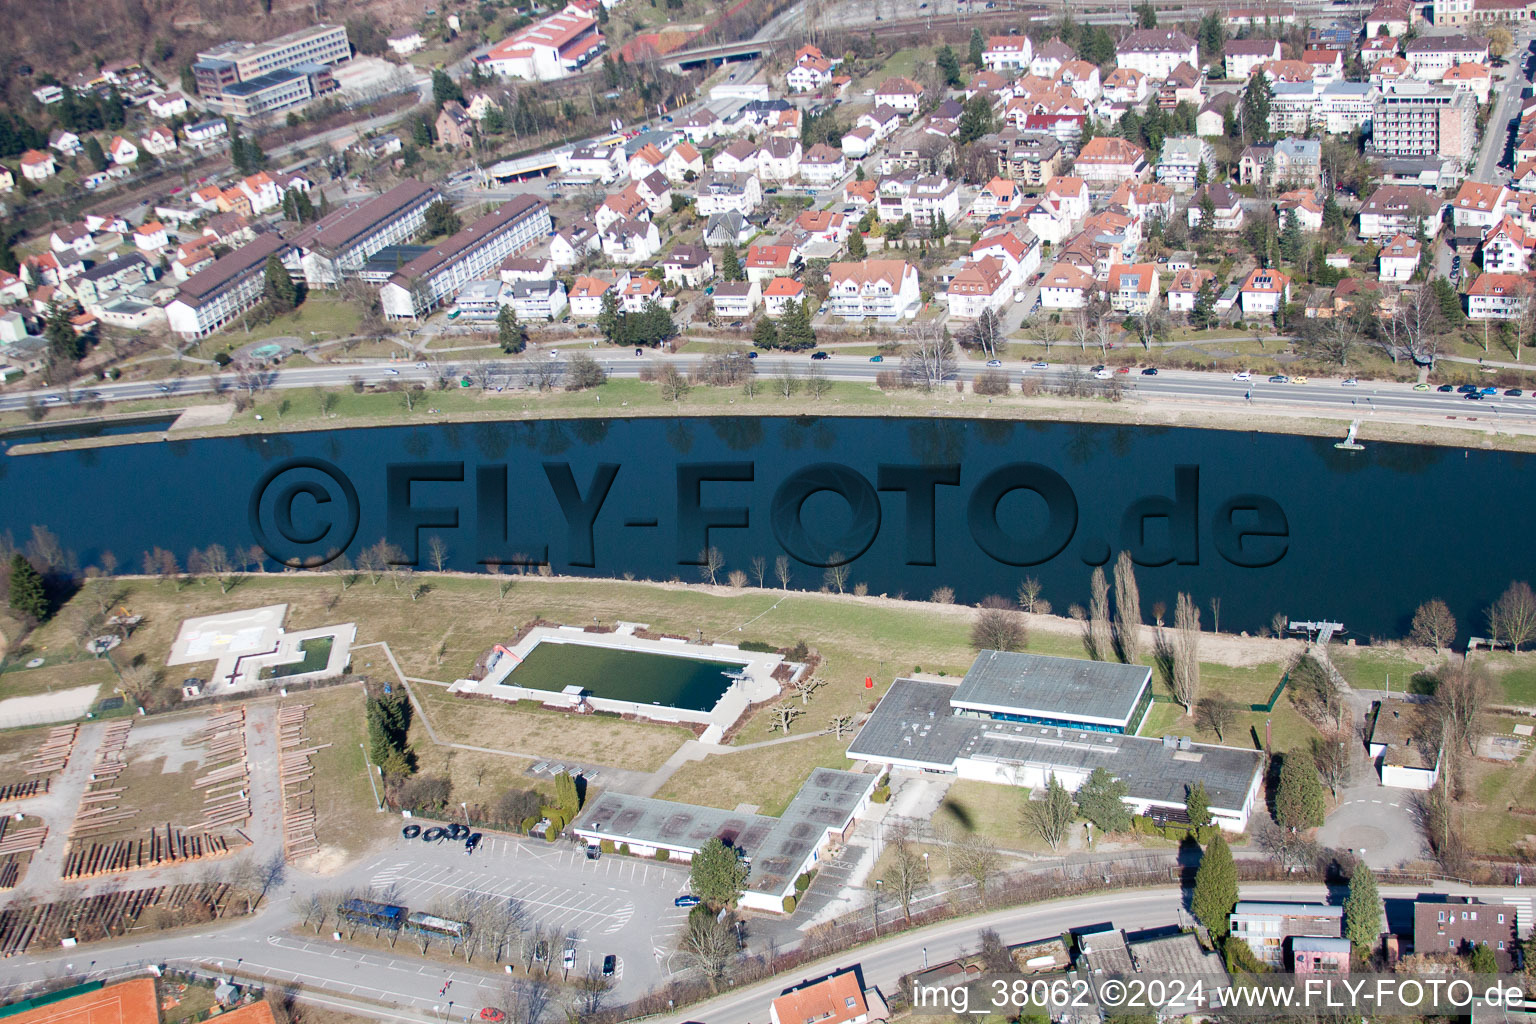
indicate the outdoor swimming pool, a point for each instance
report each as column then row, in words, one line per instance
column 639, row 677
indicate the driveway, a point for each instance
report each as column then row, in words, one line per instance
column 1373, row 821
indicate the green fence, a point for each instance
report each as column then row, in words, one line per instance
column 51, row 997
column 1266, row 708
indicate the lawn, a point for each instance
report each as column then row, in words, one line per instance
column 346, row 814
column 768, row 776
column 1491, row 822
column 316, row 655
column 641, row 746
column 71, row 669
column 324, row 316
column 477, row 778
column 987, row 809
column 1381, row 668
column 1515, row 674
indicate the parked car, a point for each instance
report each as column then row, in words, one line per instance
column 1445, row 387
column 492, row 1015
column 570, row 959
column 751, row 355
column 1242, row 375
column 594, row 851
column 1298, row 380
column 473, row 841
column 688, row 900
column 1513, row 393
column 1490, row 391
column 610, row 964
column 1421, row 387
column 1039, row 364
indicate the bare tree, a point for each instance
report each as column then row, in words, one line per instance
column 711, row 561
column 806, row 686
column 1416, row 324
column 1052, row 815
column 1099, row 631
column 786, row 382
column 907, row 871
column 1215, row 714
column 1215, row 615
column 591, row 988
column 784, row 714
column 437, row 552
column 816, row 382
column 1512, row 618
column 709, row 944
column 1186, row 652
column 1127, row 609
column 736, row 578
column 998, row 629
column 1433, row 625
column 835, row 576
column 977, row 858
column 781, row 571
column 837, row 725
column 759, row 569
column 1286, row 848
column 1330, row 752
column 929, row 359
column 1461, row 693
column 1029, row 593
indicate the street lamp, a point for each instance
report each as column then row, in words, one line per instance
column 464, row 806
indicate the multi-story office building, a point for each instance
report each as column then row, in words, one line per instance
column 277, row 91
column 425, row 283
column 340, row 244
column 1420, row 119
column 214, row 296
column 251, row 79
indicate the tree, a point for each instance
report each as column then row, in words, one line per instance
column 609, row 321
column 1512, row 618
column 445, row 89
column 1099, row 631
column 1197, row 805
column 1215, row 893
column 795, row 331
column 1212, row 35
column 1049, row 818
column 583, row 372
column 1186, row 652
column 1203, row 315
column 929, row 359
column 765, row 334
column 1433, row 625
column 1299, row 801
column 1127, row 609
column 998, row 629
column 277, row 285
column 510, row 333
column 28, row 593
column 441, row 219
column 717, row 874
column 1255, row 109
column 857, row 250
column 1146, row 15
column 1482, row 959
column 65, row 345
column 976, row 119
column 949, row 67
column 1499, row 41
column 1291, row 240
column 986, row 335
column 1215, row 714
column 730, row 264
column 1330, row 752
column 709, row 944
column 975, row 857
column 908, row 869
column 1363, row 911
column 95, row 154
column 1461, row 693
column 1100, row 799
column 978, row 49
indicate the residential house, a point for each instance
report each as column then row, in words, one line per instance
column 1185, row 286
column 166, row 105
column 1241, row 57
column 884, row 289
column 540, row 299
column 982, row 284
column 656, row 190
column 1398, row 259
column 1028, row 158
column 731, row 228
column 764, row 262
column 918, row 150
column 688, row 266
column 811, row 72
column 1107, row 161
column 646, row 161
column 1396, row 16
column 1132, row 288
column 526, row 268
column 1081, row 79
column 994, row 199
column 1228, row 208
column 1066, row 286
column 1474, row 78
column 1265, row 291
column 65, row 142
column 1211, row 121
column 822, row 165
column 480, row 106
column 924, row 198
column 1007, row 53
column 75, row 238
column 1326, row 65
column 1267, row 927
column 1459, row 924
column 105, row 280
column 1186, row 84
column 455, row 128
column 159, row 141
column 7, row 179
column 595, row 162
column 205, row 135
column 824, row 226
column 1049, row 58
column 1301, row 204
column 836, row 999
column 779, row 160
column 740, row 157
column 1018, row 250
column 1507, row 248
column 1155, row 52
column 884, row 121
column 573, row 242
column 1497, row 296
column 898, row 93
column 1431, row 56
column 640, row 291
column 781, row 290
column 37, row 165
column 857, row 142
column 1286, row 72
column 1296, row 162
column 631, row 241
column 1394, row 209
column 1320, row 954
column 1126, row 86
column 861, row 195
column 700, row 127
column 735, row 300
column 586, row 296
column 684, row 163
column 151, row 236
column 721, row 193
column 1182, row 158
column 1479, row 206
column 625, row 204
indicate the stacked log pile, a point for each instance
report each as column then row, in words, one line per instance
column 295, row 771
column 227, row 787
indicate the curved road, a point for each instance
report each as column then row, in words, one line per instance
column 1328, row 397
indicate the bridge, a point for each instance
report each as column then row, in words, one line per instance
column 680, row 59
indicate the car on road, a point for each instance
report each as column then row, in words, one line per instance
column 393, row 371
column 1102, row 375
column 688, row 900
column 1242, row 375
column 610, row 964
column 1513, row 393
column 1279, row 378
column 492, row 1015
column 1039, row 364
column 877, row 359
column 421, row 366
column 751, row 355
column 1349, row 382
column 163, row 387
column 1421, row 387
column 1490, row 391
column 1097, row 368
column 1123, row 369
column 994, row 362
column 820, row 355
column 51, row 399
column 1150, row 371
column 1298, row 380
column 1465, row 389
column 1474, row 396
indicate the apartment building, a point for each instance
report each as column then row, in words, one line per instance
column 340, row 243
column 921, row 197
column 216, row 295
column 883, row 289
column 229, row 64
column 425, row 283
column 1423, row 120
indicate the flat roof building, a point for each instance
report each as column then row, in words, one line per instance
column 341, row 243
column 918, row 725
column 777, row 850
column 217, row 69
column 1265, row 927
column 1094, row 695
column 214, row 296
column 432, row 278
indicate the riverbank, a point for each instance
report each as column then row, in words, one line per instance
column 311, row 409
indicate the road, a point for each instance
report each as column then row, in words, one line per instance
column 1326, row 396
column 1509, row 85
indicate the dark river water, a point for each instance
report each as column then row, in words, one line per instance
column 1264, row 523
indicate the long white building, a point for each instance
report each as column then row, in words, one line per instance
column 434, row 277
column 554, row 47
column 219, row 293
column 339, row 244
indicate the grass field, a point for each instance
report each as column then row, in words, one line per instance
column 320, row 317
column 346, row 814
column 1381, row 668
column 1499, row 791
column 1515, row 674
column 768, row 776
column 68, row 672
column 990, row 810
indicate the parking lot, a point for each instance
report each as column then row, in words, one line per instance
column 612, row 905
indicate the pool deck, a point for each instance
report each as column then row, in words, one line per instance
column 759, row 684
column 243, row 643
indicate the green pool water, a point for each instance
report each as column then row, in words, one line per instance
column 641, row 677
